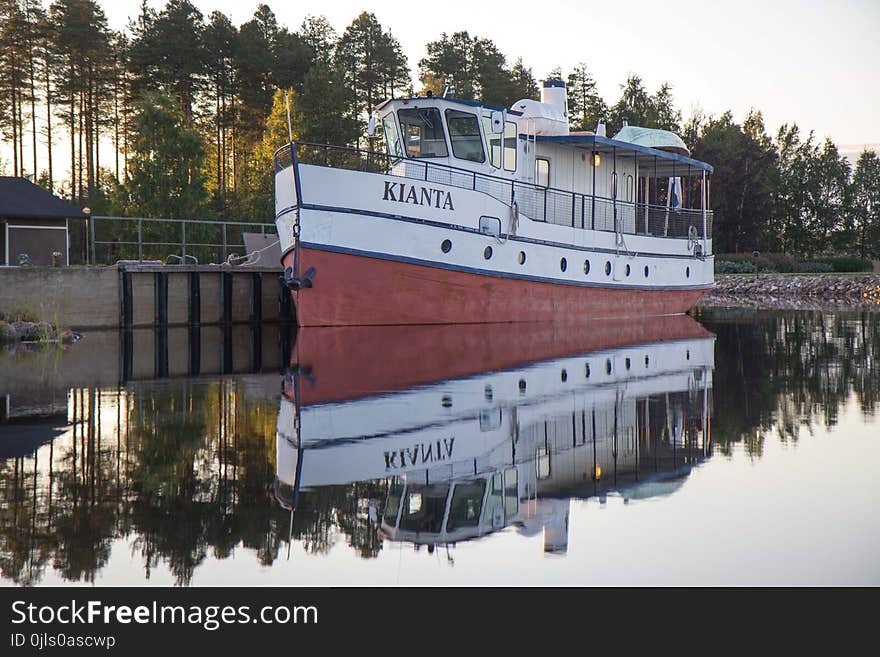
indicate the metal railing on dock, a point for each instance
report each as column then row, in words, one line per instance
column 104, row 240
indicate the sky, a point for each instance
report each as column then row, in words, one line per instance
column 814, row 63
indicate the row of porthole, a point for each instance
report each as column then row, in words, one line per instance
column 446, row 247
column 563, row 375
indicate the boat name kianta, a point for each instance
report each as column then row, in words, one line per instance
column 419, row 454
column 395, row 191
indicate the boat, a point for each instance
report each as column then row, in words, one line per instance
column 500, row 429
column 462, row 212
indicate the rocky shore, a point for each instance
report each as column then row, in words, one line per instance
column 795, row 291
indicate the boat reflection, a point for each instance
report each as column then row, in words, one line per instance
column 470, row 429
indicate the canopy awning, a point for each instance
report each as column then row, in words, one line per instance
column 667, row 163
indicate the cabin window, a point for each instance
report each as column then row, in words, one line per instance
column 423, row 509
column 493, row 141
column 542, row 463
column 490, row 226
column 392, row 137
column 542, row 172
column 494, row 516
column 466, row 505
column 464, row 134
column 511, row 492
column 392, row 502
column 509, row 146
column 629, row 188
column 422, row 132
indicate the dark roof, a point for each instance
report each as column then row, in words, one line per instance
column 21, row 198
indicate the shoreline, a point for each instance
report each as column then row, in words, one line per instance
column 795, row 291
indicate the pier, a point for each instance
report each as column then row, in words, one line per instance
column 131, row 295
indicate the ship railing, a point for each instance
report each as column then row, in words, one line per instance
column 546, row 204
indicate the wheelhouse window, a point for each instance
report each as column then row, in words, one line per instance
column 392, row 137
column 509, row 146
column 464, row 134
column 542, row 172
column 423, row 508
column 466, row 505
column 422, row 132
column 493, row 141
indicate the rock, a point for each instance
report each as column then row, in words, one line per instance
column 777, row 290
column 8, row 333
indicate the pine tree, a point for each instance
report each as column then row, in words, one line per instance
column 585, row 105
column 522, row 83
column 170, row 53
column 14, row 75
column 82, row 51
column 221, row 42
column 167, row 158
column 865, row 204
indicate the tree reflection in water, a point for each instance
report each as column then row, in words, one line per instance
column 780, row 372
column 185, row 469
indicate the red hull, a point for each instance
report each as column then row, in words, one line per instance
column 350, row 290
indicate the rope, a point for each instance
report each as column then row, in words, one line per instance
column 512, row 224
column 246, row 259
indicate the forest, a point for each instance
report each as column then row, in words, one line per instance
column 188, row 109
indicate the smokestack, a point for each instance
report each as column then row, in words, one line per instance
column 553, row 93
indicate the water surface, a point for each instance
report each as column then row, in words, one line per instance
column 739, row 448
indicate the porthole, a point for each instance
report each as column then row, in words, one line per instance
column 587, row 371
column 487, row 254
column 647, row 361
column 627, row 270
column 608, row 366
column 522, row 385
column 522, row 257
column 563, row 264
column 446, row 246
column 489, row 394
column 586, row 266
column 628, row 363
column 447, row 401
column 563, row 376
column 608, row 268
column 687, row 272
column 688, row 354
column 646, row 271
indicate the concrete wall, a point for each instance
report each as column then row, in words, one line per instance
column 89, row 297
column 75, row 297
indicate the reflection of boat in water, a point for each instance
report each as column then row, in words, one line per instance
column 488, row 430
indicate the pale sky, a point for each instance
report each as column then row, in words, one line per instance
column 816, row 63
column 813, row 62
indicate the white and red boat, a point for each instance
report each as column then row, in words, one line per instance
column 474, row 213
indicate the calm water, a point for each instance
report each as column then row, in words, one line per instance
column 741, row 448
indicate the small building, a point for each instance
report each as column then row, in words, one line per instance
column 33, row 224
